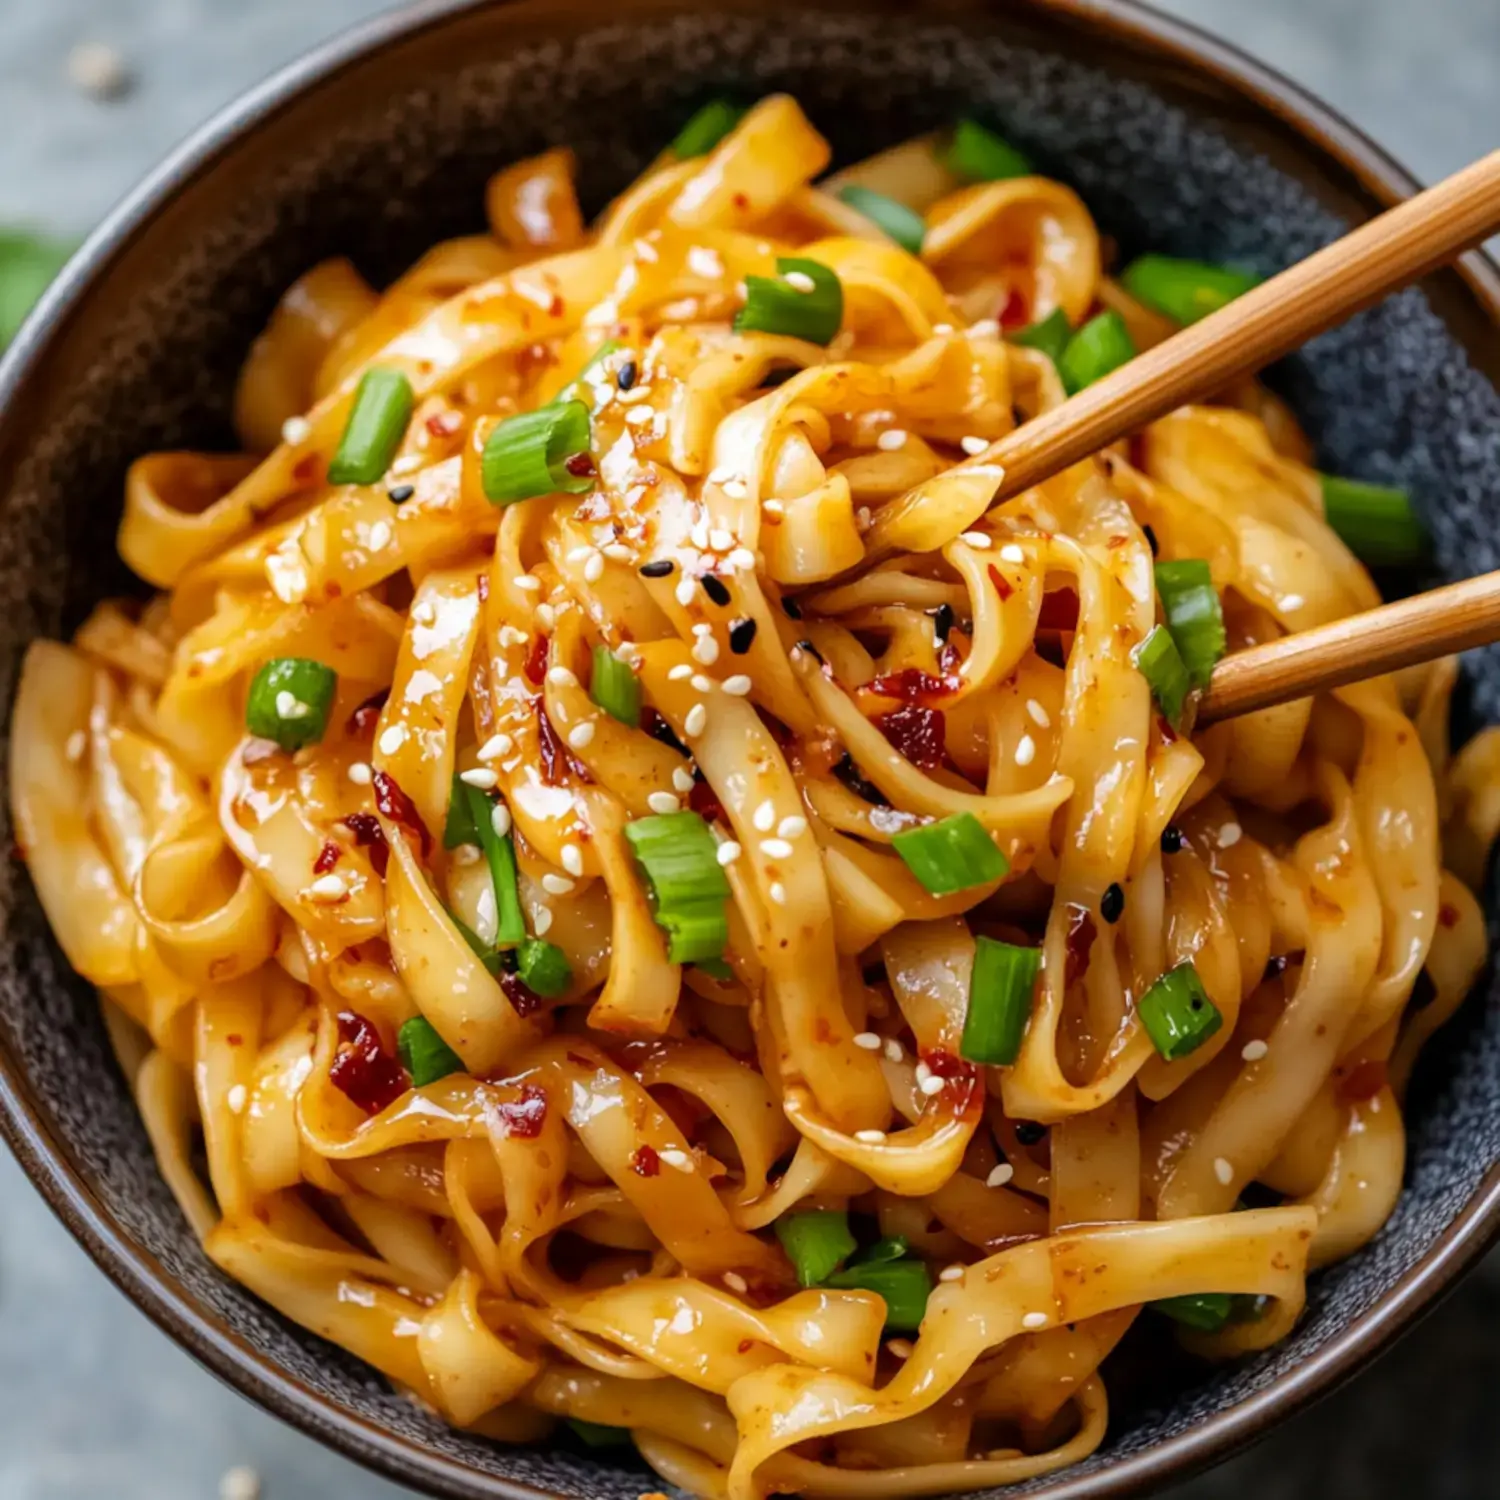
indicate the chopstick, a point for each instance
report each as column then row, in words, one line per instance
column 1267, row 322
column 1453, row 618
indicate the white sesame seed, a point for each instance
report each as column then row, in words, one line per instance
column 741, row 559
column 579, row 554
column 773, row 507
column 985, row 328
column 1034, row 1320
column 640, row 416
column 295, row 430
column 572, row 859
column 736, row 1283
column 663, row 803
column 864, row 518
column 500, row 819
column 793, row 827
column 979, row 540
column 561, row 677
column 764, row 817
column 952, row 1273
column 868, row 1040
column 290, row 706
column 870, row 1137
column 235, row 1099
column 696, row 721
column 471, row 854
column 1223, row 1170
column 899, row 1348
column 682, row 779
column 328, row 888
column 680, row 673
column 1038, row 714
column 777, row 893
column 392, row 739
column 942, row 329
column 706, row 650
column 1025, row 750
column 723, row 474
column 1012, row 553
column 556, row 885
column 1254, row 1051
column 496, row 747
column 894, row 1050
column 617, row 552
column 703, row 628
column 380, row 536
column 1001, row 1175
column 545, row 617
column 528, row 583
column 685, row 590
column 701, row 684
column 974, row 446
column 593, row 569
column 800, row 281
column 738, row 686
column 931, row 1086
column 542, row 922
column 923, row 1073
column 78, row 742
column 677, row 1159
column 776, row 848
column 1229, row 835
column 580, row 736
column 720, row 540
column 481, row 777
column 729, row 851
column 891, row 441
column 698, row 531
column 736, row 489
column 360, row 773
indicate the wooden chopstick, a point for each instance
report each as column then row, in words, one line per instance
column 1260, row 327
column 1454, row 618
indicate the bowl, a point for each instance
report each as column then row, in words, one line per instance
column 379, row 144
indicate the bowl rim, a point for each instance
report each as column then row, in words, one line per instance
column 46, row 1160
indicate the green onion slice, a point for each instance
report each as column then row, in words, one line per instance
column 804, row 300
column 1051, row 335
column 575, row 388
column 1195, row 618
column 1101, row 345
column 951, row 855
column 1000, row 994
column 424, row 1054
column 979, row 155
column 715, row 968
column 27, row 267
column 528, row 455
column 1207, row 1312
column 488, row 956
column 289, row 701
column 904, row 1284
column 815, row 1242
column 1160, row 662
column 1184, row 289
column 459, row 827
column 1177, row 1013
column 510, row 920
column 597, row 1435
column 891, row 1248
column 382, row 407
column 679, row 858
column 615, row 687
column 904, row 225
column 706, row 129
column 543, row 968
column 1377, row 522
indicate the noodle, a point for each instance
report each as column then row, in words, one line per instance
column 768, row 595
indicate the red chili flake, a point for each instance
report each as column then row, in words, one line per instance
column 536, row 661
column 362, row 1069
column 399, row 808
column 746, row 1345
column 235, row 1039
column 368, row 834
column 556, row 306
column 306, row 469
column 580, row 465
column 1059, row 611
column 916, row 732
column 912, row 685
column 645, row 1162
column 555, row 754
column 328, row 857
column 705, row 802
column 1001, row 582
column 1448, row 915
column 961, row 1076
column 524, row 1116
column 364, row 718
column 443, row 424
column 740, row 201
column 1014, row 311
column 1364, row 1081
column 1081, row 935
column 533, row 359
column 524, row 1000
column 1165, row 731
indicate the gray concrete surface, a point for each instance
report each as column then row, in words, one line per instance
column 94, row 1402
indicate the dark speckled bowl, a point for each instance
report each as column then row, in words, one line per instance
column 379, row 145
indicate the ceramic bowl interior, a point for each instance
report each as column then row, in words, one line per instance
column 377, row 151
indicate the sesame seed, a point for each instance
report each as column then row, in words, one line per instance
column 931, row 1086
column 480, row 776
column 764, row 817
column 976, row 539
column 675, row 1158
column 894, row 1051
column 1034, row 1320
column 868, row 1040
column 572, row 859
column 736, row 489
column 773, row 507
column 328, row 888
column 952, row 1273
column 496, row 747
column 738, row 686
column 777, row 893
column 720, row 540
column 864, row 519
column 800, row 281
column 793, row 827
column 1025, row 750
column 295, row 430
column 380, row 536
column 723, row 474
column 392, row 739
column 680, row 673
column 776, row 848
column 741, row 635
column 660, row 568
column 1229, row 835
column 1223, row 1171
column 736, row 1283
column 545, row 616
column 1001, row 1175
column 77, row 743
column 729, row 851
column 663, row 803
column 702, row 684
column 891, row 441
column 923, row 1072
column 1254, row 1051
column 360, row 773
column 870, row 1137
column 696, row 721
column 703, row 628
column 235, row 1099
column 556, row 885
column 578, row 554
column 581, row 735
column 974, row 446
column 636, row 393
column 682, row 779
column 528, row 583
column 942, row 329
column 542, row 922
column 500, row 819
column 617, row 552
column 899, row 1348
column 561, row 677
column 685, row 590
column 1038, row 714
column 289, row 706
column 706, row 650
column 639, row 416
column 985, row 328
column 593, row 569
column 471, row 854
column 742, row 559
column 716, row 588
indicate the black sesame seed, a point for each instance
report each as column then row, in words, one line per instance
column 1028, row 1132
column 791, row 608
column 1151, row 537
column 397, row 493
column 659, row 568
column 942, row 621
column 811, row 650
column 1112, row 904
column 715, row 588
column 1172, row 839
column 627, row 374
column 741, row 636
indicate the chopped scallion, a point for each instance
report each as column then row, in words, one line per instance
column 706, row 129
column 1177, row 1013
column 904, row 1284
column 951, row 855
column 1103, row 344
column 510, row 920
column 688, row 887
column 815, row 1242
column 804, row 300
column 459, row 827
column 1051, row 335
column 1160, row 662
column 904, row 225
column 382, row 407
column 488, row 956
column 1195, row 617
column 536, row 453
column 1376, row 521
column 979, row 155
column 424, row 1054
column 1184, row 289
column 1207, row 1312
column 615, row 687
column 892, row 1248
column 289, row 701
column 543, row 968
column 715, row 968
column 1000, row 995
column 574, row 389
